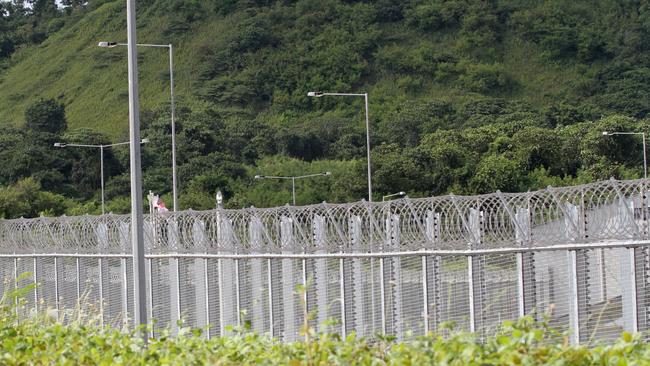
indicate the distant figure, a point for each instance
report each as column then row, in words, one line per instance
column 161, row 206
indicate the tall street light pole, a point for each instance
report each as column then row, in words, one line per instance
column 293, row 180
column 173, row 106
column 645, row 161
column 365, row 96
column 101, row 159
column 137, row 219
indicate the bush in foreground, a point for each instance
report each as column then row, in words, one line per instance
column 45, row 341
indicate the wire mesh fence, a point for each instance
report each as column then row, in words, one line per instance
column 578, row 257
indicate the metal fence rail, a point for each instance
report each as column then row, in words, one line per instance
column 579, row 254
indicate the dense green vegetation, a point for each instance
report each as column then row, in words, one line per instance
column 43, row 340
column 466, row 96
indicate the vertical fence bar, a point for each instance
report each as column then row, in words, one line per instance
column 174, row 292
column 101, row 292
column 270, row 285
column 635, row 316
column 35, row 284
column 237, row 294
column 574, row 321
column 342, row 280
column 15, row 272
column 221, row 302
column 125, row 292
column 149, row 270
column 470, row 283
column 206, row 279
column 56, row 284
column 78, row 282
column 629, row 290
column 521, row 310
column 425, row 293
column 304, row 284
column 382, row 292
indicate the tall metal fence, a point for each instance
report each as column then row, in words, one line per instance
column 577, row 256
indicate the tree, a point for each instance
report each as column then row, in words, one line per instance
column 46, row 115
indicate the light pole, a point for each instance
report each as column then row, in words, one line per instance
column 365, row 96
column 135, row 161
column 173, row 106
column 293, row 180
column 400, row 194
column 645, row 161
column 101, row 158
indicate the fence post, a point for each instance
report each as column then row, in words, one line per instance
column 35, row 285
column 433, row 307
column 393, row 236
column 101, row 290
column 525, row 261
column 255, row 237
column 357, row 276
column 200, row 277
column 475, row 269
column 574, row 319
column 629, row 290
column 174, row 275
column 321, row 279
column 425, row 294
column 78, row 282
column 149, row 283
column 343, row 309
column 228, row 315
column 56, row 283
column 125, row 239
column 270, row 285
column 206, row 280
column 238, row 292
column 288, row 284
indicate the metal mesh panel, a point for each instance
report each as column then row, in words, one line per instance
column 6, row 274
column 115, row 302
column 25, row 266
column 610, row 292
column 254, row 294
column 193, row 293
column 47, row 288
column 454, row 290
column 161, row 294
column 551, row 297
column 409, row 297
column 67, row 285
column 89, row 287
column 495, row 292
column 228, row 294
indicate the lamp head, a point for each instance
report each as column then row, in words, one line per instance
column 402, row 193
column 144, row 141
column 259, row 177
column 219, row 198
column 327, row 173
column 605, row 133
column 59, row 144
column 107, row 44
column 315, row 94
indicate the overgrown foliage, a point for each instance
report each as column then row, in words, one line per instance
column 43, row 340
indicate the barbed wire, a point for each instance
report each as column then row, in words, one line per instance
column 600, row 211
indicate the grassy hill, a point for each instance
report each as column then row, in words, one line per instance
column 460, row 91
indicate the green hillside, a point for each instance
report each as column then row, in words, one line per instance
column 466, row 96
